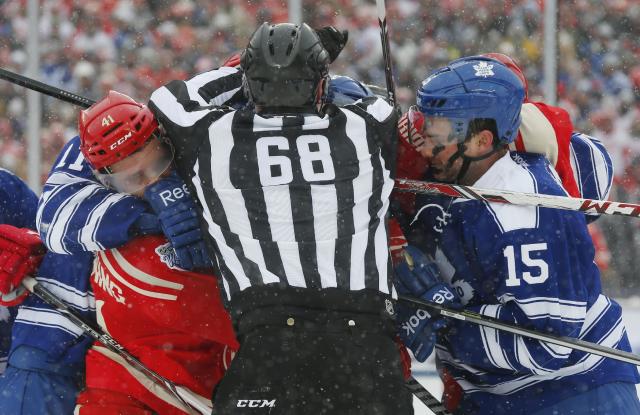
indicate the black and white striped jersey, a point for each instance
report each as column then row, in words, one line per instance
column 295, row 200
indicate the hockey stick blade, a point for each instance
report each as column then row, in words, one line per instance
column 494, row 323
column 188, row 399
column 426, row 397
column 43, row 88
column 603, row 207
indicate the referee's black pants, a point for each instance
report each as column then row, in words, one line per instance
column 312, row 361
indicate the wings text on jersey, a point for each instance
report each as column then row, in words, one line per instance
column 112, row 265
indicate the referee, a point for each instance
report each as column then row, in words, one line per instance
column 293, row 193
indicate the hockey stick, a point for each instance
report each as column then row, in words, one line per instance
column 386, row 55
column 45, row 89
column 494, row 323
column 191, row 402
column 418, row 390
column 519, row 198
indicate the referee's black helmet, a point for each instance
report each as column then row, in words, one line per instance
column 283, row 66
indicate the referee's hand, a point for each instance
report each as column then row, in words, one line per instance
column 332, row 40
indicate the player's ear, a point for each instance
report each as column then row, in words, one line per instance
column 485, row 139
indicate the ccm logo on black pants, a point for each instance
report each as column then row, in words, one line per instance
column 256, row 403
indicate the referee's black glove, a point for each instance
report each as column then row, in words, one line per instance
column 333, row 40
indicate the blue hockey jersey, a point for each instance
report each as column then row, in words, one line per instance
column 18, row 208
column 530, row 266
column 46, row 359
column 46, row 362
column 17, row 202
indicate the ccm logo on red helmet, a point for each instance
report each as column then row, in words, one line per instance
column 121, row 140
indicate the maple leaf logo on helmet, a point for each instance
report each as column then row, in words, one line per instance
column 484, row 69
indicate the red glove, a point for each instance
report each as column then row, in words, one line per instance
column 397, row 241
column 405, row 359
column 21, row 252
column 232, row 61
column 410, row 127
column 452, row 395
column 411, row 164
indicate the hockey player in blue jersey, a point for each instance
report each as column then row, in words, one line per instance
column 38, row 334
column 18, row 203
column 46, row 360
column 531, row 266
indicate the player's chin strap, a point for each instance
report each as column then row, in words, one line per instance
column 466, row 160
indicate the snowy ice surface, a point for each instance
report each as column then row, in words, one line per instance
column 425, row 372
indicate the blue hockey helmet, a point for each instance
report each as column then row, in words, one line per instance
column 475, row 87
column 345, row 90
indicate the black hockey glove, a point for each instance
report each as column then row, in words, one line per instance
column 333, row 40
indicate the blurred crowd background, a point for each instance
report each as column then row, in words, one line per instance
column 134, row 46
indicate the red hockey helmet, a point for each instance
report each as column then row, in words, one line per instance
column 114, row 128
column 510, row 63
column 120, row 139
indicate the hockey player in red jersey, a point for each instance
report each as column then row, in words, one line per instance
column 171, row 319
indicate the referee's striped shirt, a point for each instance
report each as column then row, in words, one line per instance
column 297, row 200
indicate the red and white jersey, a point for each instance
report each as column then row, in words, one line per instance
column 171, row 319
